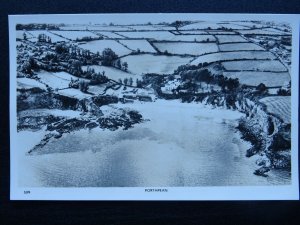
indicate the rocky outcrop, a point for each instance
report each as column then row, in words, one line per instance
column 269, row 135
column 34, row 113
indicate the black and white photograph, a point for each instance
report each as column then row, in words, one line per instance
column 155, row 106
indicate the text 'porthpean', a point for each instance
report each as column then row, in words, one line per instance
column 156, row 190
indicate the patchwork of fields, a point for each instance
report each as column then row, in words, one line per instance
column 161, row 48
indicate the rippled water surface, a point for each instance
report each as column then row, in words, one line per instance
column 180, row 145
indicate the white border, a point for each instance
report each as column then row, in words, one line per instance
column 285, row 192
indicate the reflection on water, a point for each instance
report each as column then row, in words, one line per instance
column 181, row 145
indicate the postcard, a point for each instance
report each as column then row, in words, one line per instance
column 154, row 106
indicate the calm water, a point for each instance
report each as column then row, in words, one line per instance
column 181, row 145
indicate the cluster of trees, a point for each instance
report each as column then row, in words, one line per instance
column 285, row 90
column 82, row 85
column 120, row 65
column 37, row 26
column 88, row 38
column 204, row 75
column 183, row 68
column 126, row 81
column 178, row 23
column 61, row 48
column 44, row 38
column 108, row 57
column 29, row 66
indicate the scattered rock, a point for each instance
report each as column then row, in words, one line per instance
column 262, row 171
column 251, row 151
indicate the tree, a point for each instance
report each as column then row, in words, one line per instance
column 125, row 66
column 125, row 81
column 139, row 83
column 42, row 38
column 98, row 78
column 24, row 36
column 177, row 24
column 232, row 83
column 108, row 56
column 75, row 68
column 130, row 81
column 26, row 68
column 33, row 63
column 83, row 86
column 261, row 88
column 118, row 63
column 61, row 48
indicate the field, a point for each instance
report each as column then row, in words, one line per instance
column 261, row 31
column 157, row 35
column 27, row 83
column 221, row 32
column 232, row 26
column 201, row 25
column 112, row 73
column 220, row 56
column 230, row 38
column 239, row 47
column 142, row 45
column 279, row 106
column 108, row 34
column 20, row 35
column 73, row 35
column 255, row 65
column 95, row 27
column 194, row 32
column 54, row 38
column 163, row 27
column 55, row 80
column 254, row 78
column 187, row 48
column 143, row 28
column 100, row 45
column 194, row 38
column 248, row 24
column 146, row 63
column 76, row 93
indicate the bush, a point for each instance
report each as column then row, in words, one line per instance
column 108, row 56
column 83, row 86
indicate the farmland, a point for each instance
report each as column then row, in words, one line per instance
column 135, row 45
column 58, row 80
column 255, row 65
column 279, row 106
column 254, row 78
column 108, row 34
column 240, row 47
column 73, row 35
column 147, row 63
column 187, row 48
column 157, row 35
column 231, row 56
column 230, row 38
column 54, row 38
column 99, row 46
